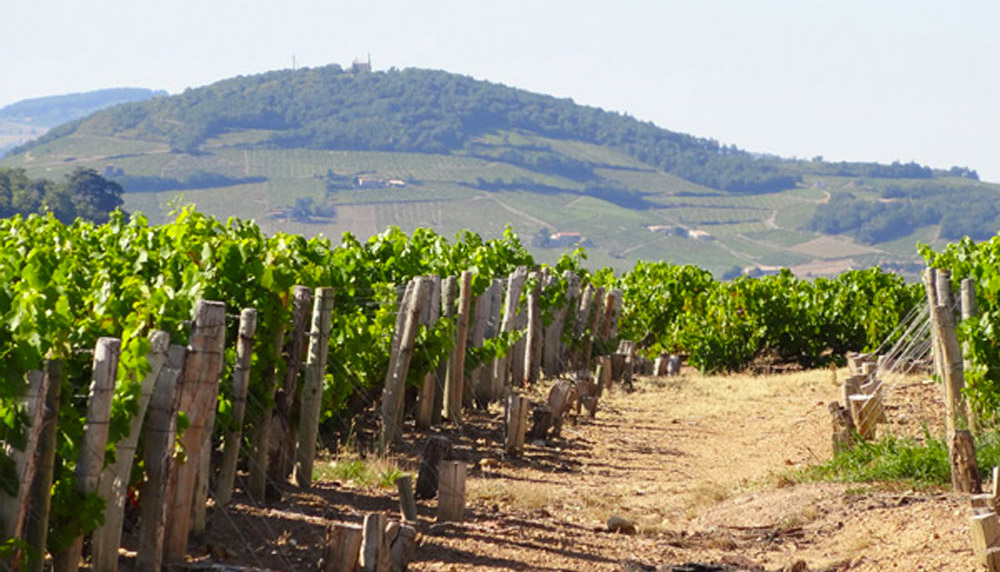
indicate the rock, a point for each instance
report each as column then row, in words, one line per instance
column 620, row 525
column 798, row 566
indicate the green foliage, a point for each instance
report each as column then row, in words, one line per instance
column 894, row 459
column 978, row 261
column 83, row 194
column 888, row 459
column 962, row 209
column 725, row 325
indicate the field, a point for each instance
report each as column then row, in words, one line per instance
column 738, row 231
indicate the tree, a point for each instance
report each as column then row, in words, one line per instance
column 92, row 196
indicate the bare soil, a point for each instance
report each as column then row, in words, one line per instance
column 703, row 466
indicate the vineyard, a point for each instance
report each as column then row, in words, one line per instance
column 96, row 317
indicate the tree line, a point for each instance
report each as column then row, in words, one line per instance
column 81, row 194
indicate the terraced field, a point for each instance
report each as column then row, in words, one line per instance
column 683, row 222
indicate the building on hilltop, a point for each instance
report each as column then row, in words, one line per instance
column 362, row 66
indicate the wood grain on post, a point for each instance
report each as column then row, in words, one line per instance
column 970, row 309
column 985, row 534
column 200, row 388
column 90, row 460
column 399, row 363
column 451, row 491
column 613, row 309
column 551, row 343
column 509, row 370
column 263, row 410
column 595, row 314
column 569, row 324
column 14, row 509
column 930, row 288
column 449, row 296
column 964, row 467
column 286, row 402
column 115, row 478
column 516, row 418
column 533, row 338
column 455, row 381
column 428, row 387
column 36, row 523
column 240, row 384
column 312, row 391
column 407, row 503
column 158, row 454
column 951, row 368
column 343, row 548
column 374, row 549
column 583, row 315
column 942, row 287
column 477, row 335
column 488, row 381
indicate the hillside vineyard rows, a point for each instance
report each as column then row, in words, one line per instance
column 66, row 290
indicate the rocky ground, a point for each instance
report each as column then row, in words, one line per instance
column 703, row 468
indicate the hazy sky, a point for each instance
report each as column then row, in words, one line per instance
column 859, row 80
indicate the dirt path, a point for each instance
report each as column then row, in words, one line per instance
column 700, row 465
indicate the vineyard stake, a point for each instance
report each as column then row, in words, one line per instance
column 115, row 478
column 395, row 380
column 455, row 381
column 312, row 392
column 158, row 447
column 448, row 311
column 240, row 383
column 36, row 526
column 90, row 460
column 202, row 367
column 287, row 397
column 429, row 317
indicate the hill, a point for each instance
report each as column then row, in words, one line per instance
column 30, row 118
column 329, row 150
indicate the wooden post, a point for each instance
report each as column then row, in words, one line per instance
column 569, row 325
column 504, row 367
column 489, row 384
column 580, row 328
column 449, row 291
column 115, row 478
column 428, row 387
column 451, row 491
column 533, row 337
column 263, row 410
column 202, row 367
column 985, row 534
column 951, row 368
column 90, row 460
column 455, row 382
column 14, row 509
column 407, row 503
column 26, row 516
column 613, row 309
column 516, row 424
column 930, row 277
column 399, row 363
column 942, row 287
column 970, row 310
column 241, row 378
column 552, row 344
column 312, row 391
column 595, row 313
column 603, row 374
column 343, row 547
column 374, row 551
column 158, row 449
column 286, row 403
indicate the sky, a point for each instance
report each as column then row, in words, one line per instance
column 883, row 80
